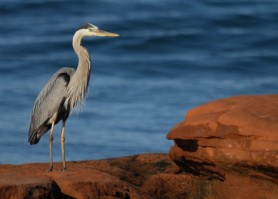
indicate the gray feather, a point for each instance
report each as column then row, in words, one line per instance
column 49, row 101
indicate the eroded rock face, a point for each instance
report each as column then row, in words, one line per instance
column 233, row 142
column 31, row 186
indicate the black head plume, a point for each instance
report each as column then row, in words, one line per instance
column 87, row 26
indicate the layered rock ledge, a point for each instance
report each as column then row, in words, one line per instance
column 231, row 146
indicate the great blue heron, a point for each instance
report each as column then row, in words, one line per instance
column 66, row 88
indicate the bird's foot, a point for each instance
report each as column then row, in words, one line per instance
column 51, row 166
column 64, row 169
column 52, row 169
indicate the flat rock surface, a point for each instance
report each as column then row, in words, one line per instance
column 127, row 177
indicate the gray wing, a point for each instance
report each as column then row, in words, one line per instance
column 48, row 102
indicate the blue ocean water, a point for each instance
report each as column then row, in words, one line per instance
column 171, row 56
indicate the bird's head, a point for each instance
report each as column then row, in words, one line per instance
column 92, row 30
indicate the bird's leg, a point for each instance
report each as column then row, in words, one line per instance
column 63, row 146
column 50, row 145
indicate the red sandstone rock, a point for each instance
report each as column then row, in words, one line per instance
column 168, row 186
column 112, row 178
column 231, row 145
column 31, row 186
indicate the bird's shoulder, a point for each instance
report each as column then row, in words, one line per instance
column 54, row 90
column 65, row 70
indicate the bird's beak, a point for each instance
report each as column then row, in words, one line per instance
column 105, row 34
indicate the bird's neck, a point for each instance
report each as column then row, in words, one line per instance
column 77, row 87
column 84, row 63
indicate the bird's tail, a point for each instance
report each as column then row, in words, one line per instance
column 35, row 135
column 34, row 139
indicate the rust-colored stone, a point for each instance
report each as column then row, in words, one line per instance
column 230, row 144
column 111, row 178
